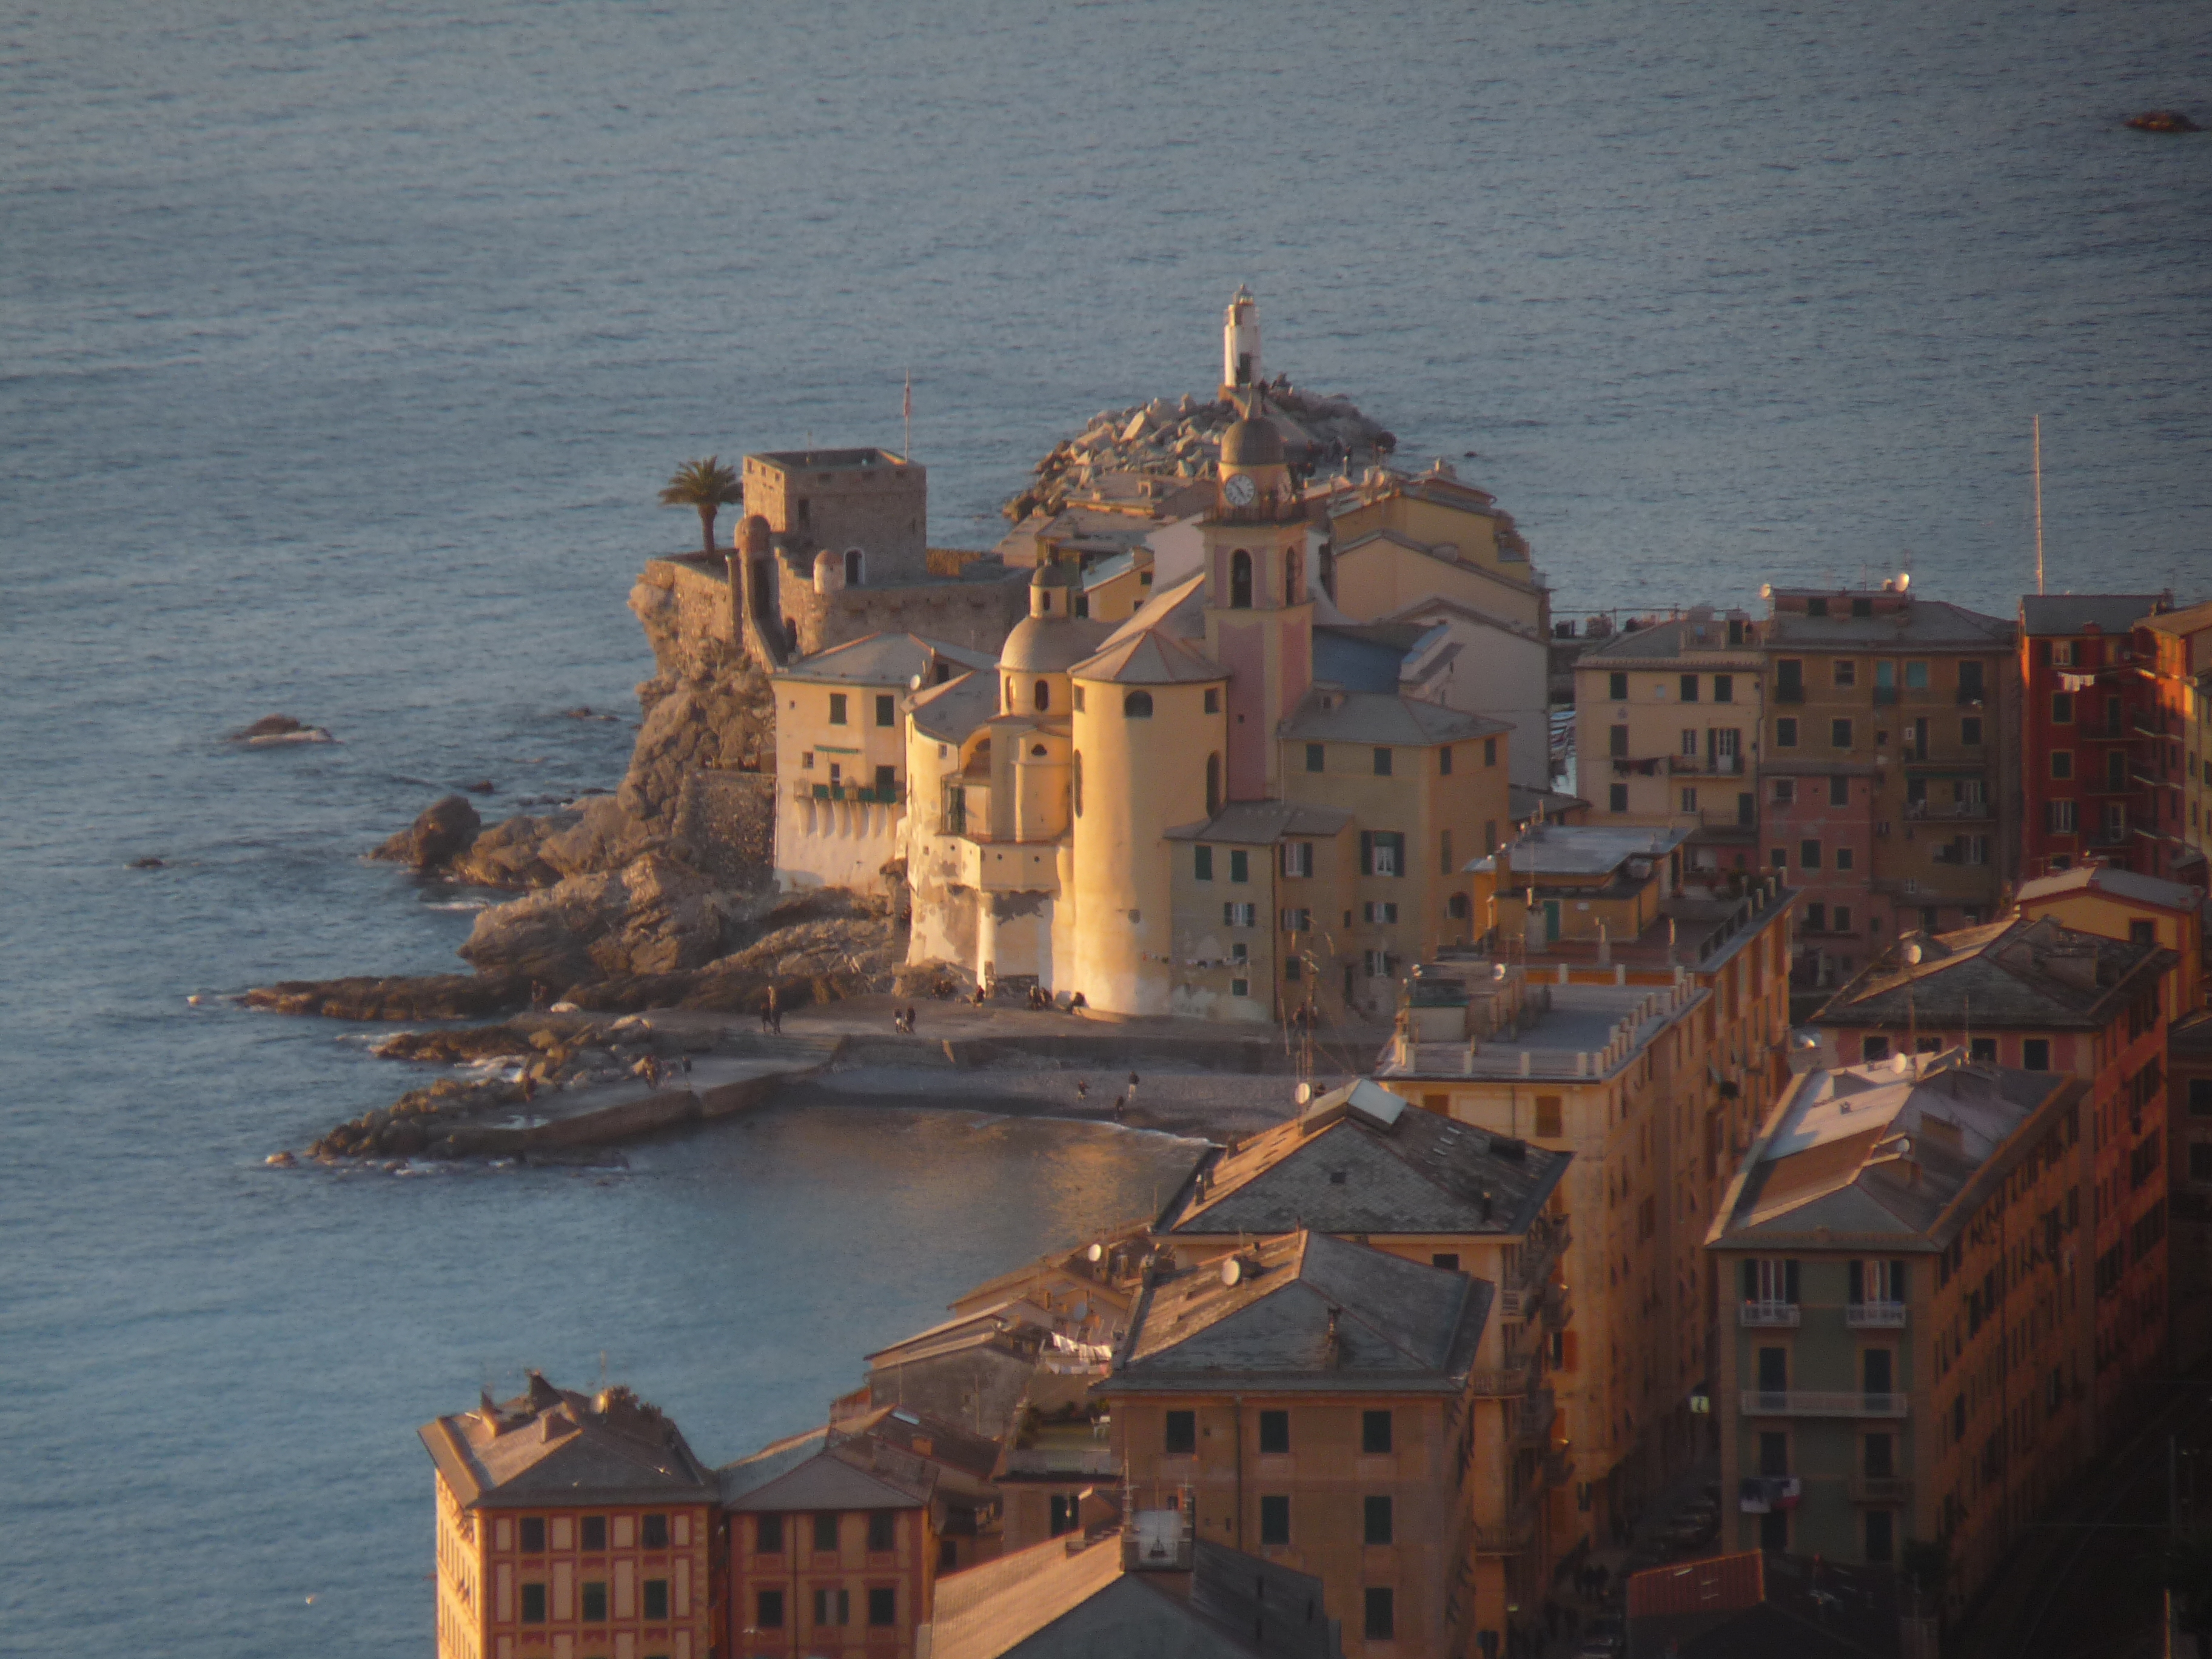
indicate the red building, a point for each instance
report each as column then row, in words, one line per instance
column 2083, row 702
column 2171, row 751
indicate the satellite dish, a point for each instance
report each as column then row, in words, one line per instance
column 1096, row 1253
column 1303, row 1094
column 1231, row 1270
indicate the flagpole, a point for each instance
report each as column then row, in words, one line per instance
column 906, row 405
column 2039, row 503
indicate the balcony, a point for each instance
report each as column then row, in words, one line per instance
column 1880, row 1489
column 1507, row 1383
column 1875, row 1315
column 1532, row 1419
column 1917, row 810
column 1767, row 1314
column 1820, row 1402
column 1558, row 1308
column 854, row 793
column 1074, row 1462
column 1516, row 1533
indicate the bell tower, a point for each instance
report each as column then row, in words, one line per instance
column 1259, row 611
column 1240, row 344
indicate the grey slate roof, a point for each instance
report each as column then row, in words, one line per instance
column 890, row 660
column 2015, row 974
column 2071, row 613
column 554, row 1447
column 950, row 712
column 1306, row 1311
column 1155, row 657
column 1923, row 624
column 1583, row 849
column 1703, row 640
column 1375, row 717
column 817, row 1471
column 2121, row 883
column 1354, row 1163
column 1882, row 1152
column 1260, row 822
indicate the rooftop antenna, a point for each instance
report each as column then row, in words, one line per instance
column 906, row 407
column 2037, row 430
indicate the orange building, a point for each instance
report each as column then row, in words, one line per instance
column 570, row 1524
column 2042, row 997
column 1315, row 1400
column 832, row 1548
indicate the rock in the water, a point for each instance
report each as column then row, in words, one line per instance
column 443, row 831
column 655, row 915
column 149, row 864
column 480, row 787
column 269, row 725
column 422, row 996
column 2163, row 120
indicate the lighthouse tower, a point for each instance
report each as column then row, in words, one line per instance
column 1240, row 344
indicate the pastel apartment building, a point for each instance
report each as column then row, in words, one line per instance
column 1910, row 1355
column 571, row 1526
column 2083, row 701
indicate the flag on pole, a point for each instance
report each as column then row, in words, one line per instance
column 906, row 410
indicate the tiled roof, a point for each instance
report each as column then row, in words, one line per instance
column 888, row 659
column 1880, row 1151
column 1362, row 658
column 1262, row 823
column 1360, row 1160
column 555, row 1446
column 1754, row 1606
column 818, row 1471
column 2187, row 620
column 2015, row 974
column 1701, row 638
column 1180, row 609
column 1583, row 849
column 1306, row 1311
column 1375, row 717
column 2070, row 613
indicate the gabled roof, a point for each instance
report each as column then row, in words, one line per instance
column 1262, row 822
column 1360, row 1160
column 1362, row 658
column 1589, row 850
column 2015, row 974
column 1882, row 1152
column 1924, row 624
column 1155, row 657
column 885, row 660
column 818, row 1471
column 1180, row 609
column 2073, row 613
column 555, row 1447
column 1754, row 1605
column 951, row 711
column 1306, row 1311
column 1325, row 716
column 2153, row 890
column 1439, row 605
column 2187, row 620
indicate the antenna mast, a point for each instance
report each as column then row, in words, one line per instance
column 2038, row 431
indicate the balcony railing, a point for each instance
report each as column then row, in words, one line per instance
column 1755, row 1314
column 1558, row 1307
column 846, row 792
column 1881, row 1489
column 1062, row 1460
column 1820, row 1403
column 1507, row 1383
column 1965, row 808
column 1516, row 1534
column 1887, row 1316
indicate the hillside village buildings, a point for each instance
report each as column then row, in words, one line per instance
column 1265, row 749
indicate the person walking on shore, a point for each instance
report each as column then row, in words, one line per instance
column 775, row 1011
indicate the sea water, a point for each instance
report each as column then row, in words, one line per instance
column 343, row 349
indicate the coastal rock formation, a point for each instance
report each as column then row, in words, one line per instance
column 279, row 728
column 708, row 709
column 415, row 996
column 440, row 831
column 1183, row 439
column 653, row 915
column 2163, row 120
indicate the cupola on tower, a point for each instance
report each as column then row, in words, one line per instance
column 1240, row 342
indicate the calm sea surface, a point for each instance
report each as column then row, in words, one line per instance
column 341, row 348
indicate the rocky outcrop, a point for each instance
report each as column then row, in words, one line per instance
column 712, row 711
column 279, row 728
column 655, row 915
column 1183, row 440
column 417, row 996
column 441, row 831
column 2163, row 120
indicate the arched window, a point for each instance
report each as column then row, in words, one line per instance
column 852, row 566
column 1240, row 580
column 1007, row 698
column 1043, row 695
column 1212, row 785
column 1137, row 706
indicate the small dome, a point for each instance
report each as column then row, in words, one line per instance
column 1045, row 645
column 1253, row 441
column 1053, row 572
column 753, row 534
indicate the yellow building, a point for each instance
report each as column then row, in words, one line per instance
column 570, row 1523
column 841, row 752
column 1079, row 803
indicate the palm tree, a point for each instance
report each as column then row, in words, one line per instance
column 708, row 486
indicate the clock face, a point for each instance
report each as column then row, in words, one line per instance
column 1240, row 490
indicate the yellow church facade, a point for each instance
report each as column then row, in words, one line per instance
column 1182, row 813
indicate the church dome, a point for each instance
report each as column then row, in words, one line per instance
column 1046, row 644
column 1252, row 442
column 1053, row 572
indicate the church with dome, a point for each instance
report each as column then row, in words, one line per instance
column 1260, row 790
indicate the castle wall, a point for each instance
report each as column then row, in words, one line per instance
column 978, row 615
column 881, row 507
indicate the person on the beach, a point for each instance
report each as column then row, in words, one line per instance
column 1083, row 1088
column 1118, row 1099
